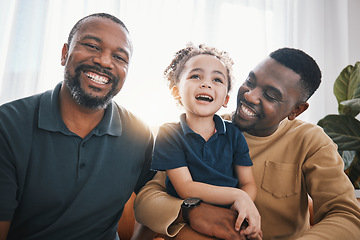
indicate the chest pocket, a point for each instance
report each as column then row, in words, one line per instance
column 281, row 179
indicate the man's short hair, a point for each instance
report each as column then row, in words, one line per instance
column 104, row 15
column 302, row 64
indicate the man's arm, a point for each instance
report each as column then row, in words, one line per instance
column 4, row 229
column 336, row 210
column 161, row 213
column 156, row 209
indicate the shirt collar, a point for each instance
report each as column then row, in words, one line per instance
column 50, row 119
column 219, row 124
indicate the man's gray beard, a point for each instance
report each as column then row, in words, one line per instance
column 81, row 97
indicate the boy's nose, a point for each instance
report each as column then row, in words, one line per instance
column 205, row 85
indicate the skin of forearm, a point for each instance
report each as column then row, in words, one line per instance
column 250, row 189
column 209, row 193
column 4, row 228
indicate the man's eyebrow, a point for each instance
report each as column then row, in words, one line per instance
column 252, row 74
column 97, row 39
column 91, row 37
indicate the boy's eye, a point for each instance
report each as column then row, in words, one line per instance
column 195, row 76
column 218, row 80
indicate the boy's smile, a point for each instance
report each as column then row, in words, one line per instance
column 202, row 86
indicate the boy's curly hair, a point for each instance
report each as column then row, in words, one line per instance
column 173, row 71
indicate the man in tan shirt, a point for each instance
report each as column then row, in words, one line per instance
column 292, row 160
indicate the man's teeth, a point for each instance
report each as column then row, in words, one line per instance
column 97, row 78
column 247, row 111
column 204, row 98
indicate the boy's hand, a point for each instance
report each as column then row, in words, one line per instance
column 247, row 212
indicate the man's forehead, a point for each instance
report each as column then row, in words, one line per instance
column 96, row 23
column 95, row 27
column 273, row 71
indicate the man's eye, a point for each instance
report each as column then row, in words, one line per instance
column 270, row 97
column 249, row 83
column 91, row 46
column 120, row 58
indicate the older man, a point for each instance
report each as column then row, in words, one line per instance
column 71, row 157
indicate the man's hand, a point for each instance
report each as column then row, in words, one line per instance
column 214, row 221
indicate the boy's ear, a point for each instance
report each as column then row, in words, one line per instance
column 298, row 110
column 64, row 54
column 226, row 101
column 175, row 92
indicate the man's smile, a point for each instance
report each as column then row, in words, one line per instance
column 246, row 110
column 99, row 79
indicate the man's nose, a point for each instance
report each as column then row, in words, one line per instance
column 104, row 59
column 253, row 96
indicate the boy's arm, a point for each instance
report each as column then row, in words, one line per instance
column 160, row 211
column 246, row 180
column 185, row 186
column 241, row 201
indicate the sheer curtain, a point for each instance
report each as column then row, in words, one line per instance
column 33, row 33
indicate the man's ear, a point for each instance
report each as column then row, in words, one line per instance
column 175, row 93
column 298, row 110
column 226, row 101
column 64, row 54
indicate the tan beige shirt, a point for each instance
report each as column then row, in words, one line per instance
column 297, row 160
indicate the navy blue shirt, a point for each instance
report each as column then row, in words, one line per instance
column 57, row 185
column 209, row 161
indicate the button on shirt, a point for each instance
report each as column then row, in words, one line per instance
column 209, row 161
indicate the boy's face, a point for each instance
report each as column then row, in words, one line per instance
column 202, row 86
column 96, row 62
column 270, row 93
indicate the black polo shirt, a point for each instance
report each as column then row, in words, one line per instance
column 57, row 185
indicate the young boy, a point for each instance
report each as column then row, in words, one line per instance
column 204, row 156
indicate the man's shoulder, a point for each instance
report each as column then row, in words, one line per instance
column 302, row 127
column 20, row 108
column 304, row 131
column 127, row 115
column 131, row 121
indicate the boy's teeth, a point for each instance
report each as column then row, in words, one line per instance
column 97, row 78
column 204, row 97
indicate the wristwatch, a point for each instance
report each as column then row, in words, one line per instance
column 187, row 205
